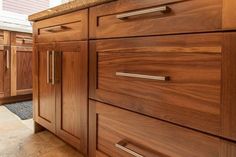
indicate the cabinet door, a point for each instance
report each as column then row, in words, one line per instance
column 4, row 71
column 44, row 89
column 21, row 70
column 72, row 94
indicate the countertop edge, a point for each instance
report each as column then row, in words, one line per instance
column 65, row 8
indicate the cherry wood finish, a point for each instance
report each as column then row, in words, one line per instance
column 21, row 63
column 229, row 86
column 16, row 67
column 181, row 16
column 68, row 27
column 190, row 97
column 44, row 92
column 148, row 137
column 71, row 101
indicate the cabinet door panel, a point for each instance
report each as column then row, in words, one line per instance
column 45, row 91
column 21, row 70
column 72, row 93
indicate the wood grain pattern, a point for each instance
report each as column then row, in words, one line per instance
column 44, row 93
column 184, row 16
column 191, row 97
column 149, row 137
column 21, row 70
column 229, row 14
column 228, row 86
column 72, row 94
column 75, row 27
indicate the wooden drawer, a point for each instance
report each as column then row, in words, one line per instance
column 5, row 38
column 176, row 78
column 21, row 39
column 68, row 27
column 119, row 133
column 124, row 18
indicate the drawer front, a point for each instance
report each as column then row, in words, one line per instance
column 21, row 39
column 68, row 27
column 119, row 133
column 176, row 78
column 138, row 18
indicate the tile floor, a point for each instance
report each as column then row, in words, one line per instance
column 17, row 139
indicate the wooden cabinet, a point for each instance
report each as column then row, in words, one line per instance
column 16, row 67
column 161, row 78
column 61, row 78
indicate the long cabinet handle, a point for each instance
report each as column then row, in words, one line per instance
column 150, row 77
column 121, row 145
column 53, row 67
column 56, row 29
column 162, row 9
column 48, row 67
column 8, row 59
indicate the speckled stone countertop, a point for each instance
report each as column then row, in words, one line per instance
column 66, row 8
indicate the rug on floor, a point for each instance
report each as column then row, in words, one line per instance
column 21, row 109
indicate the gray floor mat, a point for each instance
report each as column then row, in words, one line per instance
column 21, row 109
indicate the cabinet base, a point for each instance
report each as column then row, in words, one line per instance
column 14, row 99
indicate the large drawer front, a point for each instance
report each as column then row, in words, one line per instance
column 68, row 27
column 176, row 78
column 151, row 17
column 119, row 133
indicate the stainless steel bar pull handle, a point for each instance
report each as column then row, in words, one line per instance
column 162, row 9
column 48, row 67
column 150, row 77
column 8, row 59
column 53, row 67
column 121, row 145
column 56, row 29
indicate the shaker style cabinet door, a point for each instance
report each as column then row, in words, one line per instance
column 21, row 70
column 44, row 90
column 21, row 63
column 71, row 97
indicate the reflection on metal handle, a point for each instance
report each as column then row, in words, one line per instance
column 8, row 59
column 56, row 29
column 150, row 77
column 161, row 9
column 121, row 145
column 48, row 67
column 53, row 67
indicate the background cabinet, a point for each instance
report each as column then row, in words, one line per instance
column 15, row 66
column 21, row 64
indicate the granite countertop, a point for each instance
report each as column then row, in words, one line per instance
column 66, row 8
